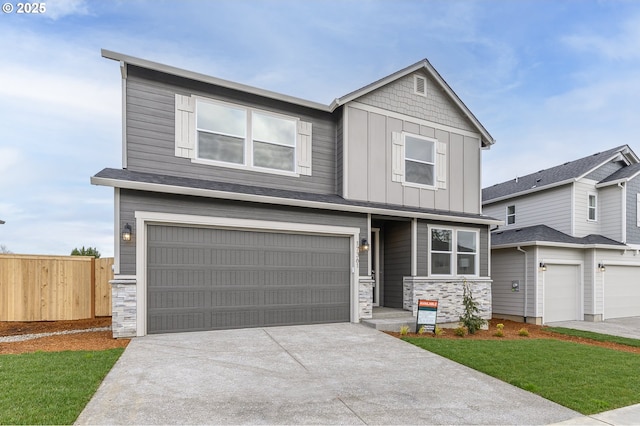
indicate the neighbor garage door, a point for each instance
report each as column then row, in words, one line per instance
column 621, row 291
column 561, row 293
column 208, row 279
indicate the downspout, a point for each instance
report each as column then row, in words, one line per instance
column 526, row 279
column 623, row 212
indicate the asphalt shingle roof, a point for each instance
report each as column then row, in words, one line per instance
column 623, row 173
column 545, row 233
column 183, row 182
column 560, row 173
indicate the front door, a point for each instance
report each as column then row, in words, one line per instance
column 375, row 265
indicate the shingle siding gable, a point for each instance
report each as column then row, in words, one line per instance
column 399, row 96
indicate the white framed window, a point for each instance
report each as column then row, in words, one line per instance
column 210, row 131
column 592, row 207
column 511, row 215
column 419, row 160
column 453, row 251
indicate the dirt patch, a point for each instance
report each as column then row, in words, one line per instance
column 86, row 341
column 511, row 332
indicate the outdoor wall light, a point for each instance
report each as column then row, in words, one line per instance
column 543, row 266
column 364, row 245
column 126, row 233
column 601, row 267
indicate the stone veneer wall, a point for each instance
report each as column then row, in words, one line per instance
column 448, row 293
column 365, row 298
column 123, row 307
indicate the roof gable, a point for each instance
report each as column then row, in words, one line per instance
column 555, row 176
column 434, row 77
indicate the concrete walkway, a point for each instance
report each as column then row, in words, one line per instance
column 321, row 374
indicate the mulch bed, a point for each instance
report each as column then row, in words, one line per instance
column 92, row 341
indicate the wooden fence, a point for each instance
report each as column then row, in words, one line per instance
column 49, row 288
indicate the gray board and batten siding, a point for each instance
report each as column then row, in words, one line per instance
column 132, row 201
column 368, row 168
column 209, row 279
column 150, row 133
column 633, row 215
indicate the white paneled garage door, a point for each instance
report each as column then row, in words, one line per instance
column 621, row 291
column 561, row 293
column 208, row 278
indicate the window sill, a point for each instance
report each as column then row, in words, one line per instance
column 419, row 186
column 243, row 167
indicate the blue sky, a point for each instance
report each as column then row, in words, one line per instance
column 552, row 81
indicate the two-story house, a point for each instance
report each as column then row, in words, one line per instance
column 240, row 207
column 569, row 249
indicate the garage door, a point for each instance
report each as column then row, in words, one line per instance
column 621, row 291
column 208, row 279
column 561, row 293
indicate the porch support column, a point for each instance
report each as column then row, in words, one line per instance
column 414, row 247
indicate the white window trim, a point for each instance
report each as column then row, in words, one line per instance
column 454, row 251
column 434, row 164
column 595, row 208
column 514, row 215
column 248, row 141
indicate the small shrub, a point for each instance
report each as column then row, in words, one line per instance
column 460, row 331
column 404, row 330
column 422, row 329
column 523, row 332
column 439, row 331
column 471, row 318
column 500, row 330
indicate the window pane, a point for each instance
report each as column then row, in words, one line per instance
column 441, row 263
column 273, row 156
column 419, row 149
column 511, row 210
column 418, row 173
column 222, row 119
column 268, row 128
column 466, row 264
column 511, row 220
column 220, row 148
column 466, row 241
column 592, row 201
column 440, row 240
column 592, row 213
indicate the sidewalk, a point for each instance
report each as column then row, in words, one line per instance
column 622, row 416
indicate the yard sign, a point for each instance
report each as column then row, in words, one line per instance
column 427, row 313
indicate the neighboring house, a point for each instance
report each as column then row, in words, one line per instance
column 240, row 207
column 569, row 249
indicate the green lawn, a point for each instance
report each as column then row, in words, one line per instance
column 595, row 336
column 50, row 387
column 585, row 378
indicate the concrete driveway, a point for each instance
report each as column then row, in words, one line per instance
column 623, row 327
column 320, row 374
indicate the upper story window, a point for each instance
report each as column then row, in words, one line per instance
column 453, row 250
column 420, row 160
column 592, row 213
column 224, row 134
column 511, row 215
column 245, row 136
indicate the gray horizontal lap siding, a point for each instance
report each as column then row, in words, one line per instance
column 132, row 201
column 633, row 231
column 150, row 128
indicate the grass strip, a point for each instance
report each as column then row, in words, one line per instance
column 51, row 387
column 585, row 378
column 595, row 336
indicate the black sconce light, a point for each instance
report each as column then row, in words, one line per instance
column 126, row 233
column 601, row 267
column 364, row 245
column 543, row 266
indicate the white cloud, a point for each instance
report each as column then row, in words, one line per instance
column 603, row 41
column 57, row 9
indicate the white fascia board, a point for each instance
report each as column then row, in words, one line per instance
column 143, row 63
column 560, row 245
column 529, row 191
column 211, row 193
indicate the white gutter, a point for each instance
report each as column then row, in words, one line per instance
column 558, row 244
column 212, row 193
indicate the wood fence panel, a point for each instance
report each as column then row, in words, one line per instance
column 103, row 274
column 49, row 288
